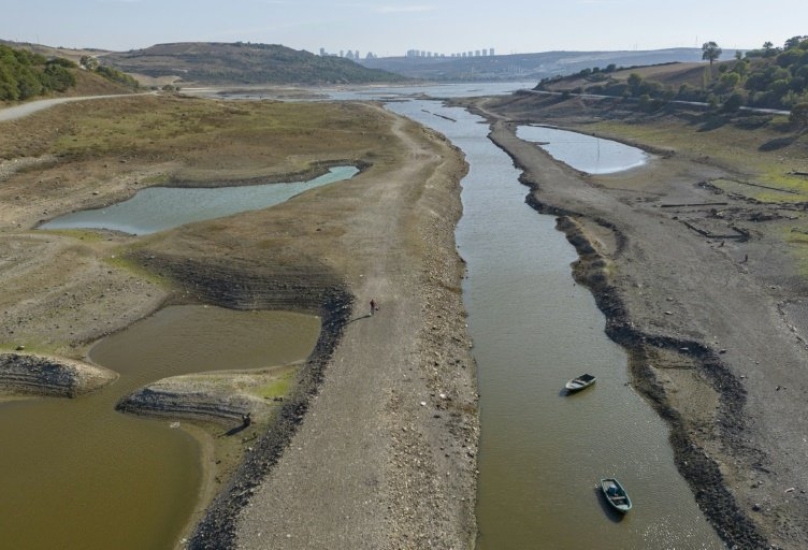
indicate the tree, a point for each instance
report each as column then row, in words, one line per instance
column 799, row 115
column 729, row 81
column 794, row 42
column 88, row 62
column 768, row 49
column 710, row 52
column 634, row 80
column 733, row 103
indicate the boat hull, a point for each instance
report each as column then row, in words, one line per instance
column 615, row 495
column 580, row 383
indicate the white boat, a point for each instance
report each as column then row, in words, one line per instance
column 579, row 383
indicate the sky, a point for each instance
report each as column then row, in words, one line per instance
column 391, row 27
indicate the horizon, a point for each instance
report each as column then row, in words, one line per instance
column 393, row 28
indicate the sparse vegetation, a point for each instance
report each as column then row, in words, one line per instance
column 771, row 78
column 243, row 63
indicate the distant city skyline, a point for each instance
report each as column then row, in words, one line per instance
column 358, row 54
column 395, row 26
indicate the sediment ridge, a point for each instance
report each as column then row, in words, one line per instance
column 50, row 376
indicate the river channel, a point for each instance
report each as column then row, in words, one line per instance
column 542, row 453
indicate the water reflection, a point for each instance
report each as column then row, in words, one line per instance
column 585, row 153
column 76, row 474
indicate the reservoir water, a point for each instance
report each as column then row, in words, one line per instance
column 589, row 154
column 159, row 208
column 543, row 453
column 74, row 473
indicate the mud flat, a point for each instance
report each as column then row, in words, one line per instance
column 706, row 299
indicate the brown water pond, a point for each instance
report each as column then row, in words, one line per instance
column 76, row 474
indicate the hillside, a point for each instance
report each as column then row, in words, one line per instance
column 528, row 66
column 242, row 63
column 28, row 73
column 72, row 54
column 770, row 78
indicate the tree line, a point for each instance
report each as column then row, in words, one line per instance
column 24, row 74
column 770, row 77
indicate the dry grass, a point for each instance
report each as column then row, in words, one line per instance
column 204, row 136
column 744, row 151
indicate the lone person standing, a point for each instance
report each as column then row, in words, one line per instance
column 372, row 306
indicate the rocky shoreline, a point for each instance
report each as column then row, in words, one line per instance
column 217, row 529
column 50, row 376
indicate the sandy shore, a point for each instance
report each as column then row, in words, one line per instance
column 710, row 307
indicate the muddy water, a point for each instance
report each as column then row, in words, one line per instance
column 76, row 474
column 542, row 453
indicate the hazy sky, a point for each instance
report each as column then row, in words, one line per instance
column 391, row 27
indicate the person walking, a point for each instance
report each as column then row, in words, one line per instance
column 372, row 306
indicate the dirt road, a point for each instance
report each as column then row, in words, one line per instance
column 386, row 455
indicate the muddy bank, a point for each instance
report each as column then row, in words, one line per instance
column 50, row 376
column 218, row 527
column 702, row 473
column 222, row 284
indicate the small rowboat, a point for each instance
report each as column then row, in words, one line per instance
column 579, row 383
column 615, row 494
